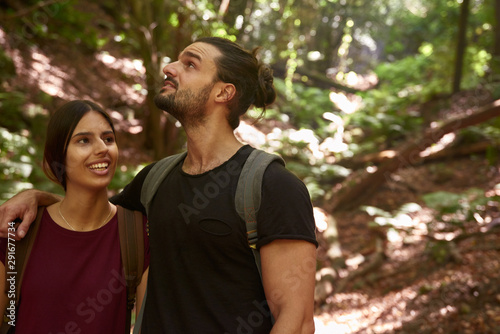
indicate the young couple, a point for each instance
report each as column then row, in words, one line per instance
column 202, row 277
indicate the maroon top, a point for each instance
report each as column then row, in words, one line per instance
column 73, row 281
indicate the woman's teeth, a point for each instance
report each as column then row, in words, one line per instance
column 99, row 166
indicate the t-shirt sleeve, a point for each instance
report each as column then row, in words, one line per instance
column 130, row 196
column 286, row 210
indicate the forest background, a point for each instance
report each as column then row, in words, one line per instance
column 387, row 110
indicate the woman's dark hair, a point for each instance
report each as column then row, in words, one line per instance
column 59, row 132
column 252, row 79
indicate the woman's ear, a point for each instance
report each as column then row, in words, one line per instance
column 226, row 93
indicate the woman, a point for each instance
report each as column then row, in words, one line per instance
column 73, row 282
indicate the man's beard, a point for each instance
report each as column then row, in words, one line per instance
column 188, row 107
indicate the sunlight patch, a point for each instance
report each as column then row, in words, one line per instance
column 50, row 78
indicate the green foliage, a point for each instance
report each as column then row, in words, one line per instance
column 7, row 68
column 395, row 222
column 305, row 112
column 321, row 177
column 305, row 107
column 419, row 67
column 123, row 176
column 417, row 22
column 444, row 202
column 388, row 115
column 20, row 164
column 208, row 22
column 56, row 21
column 16, row 163
column 77, row 27
column 11, row 104
column 492, row 155
column 439, row 250
column 489, row 131
column 457, row 208
column 453, row 211
column 299, row 149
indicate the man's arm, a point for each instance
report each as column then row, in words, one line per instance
column 24, row 206
column 288, row 275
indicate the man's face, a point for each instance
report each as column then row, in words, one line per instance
column 188, row 87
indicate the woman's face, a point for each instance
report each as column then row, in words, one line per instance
column 91, row 154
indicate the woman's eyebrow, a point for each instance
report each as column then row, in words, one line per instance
column 81, row 134
column 89, row 133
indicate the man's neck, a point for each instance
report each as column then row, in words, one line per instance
column 209, row 148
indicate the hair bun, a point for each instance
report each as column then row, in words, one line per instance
column 266, row 93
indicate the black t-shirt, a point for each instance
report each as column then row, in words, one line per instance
column 203, row 277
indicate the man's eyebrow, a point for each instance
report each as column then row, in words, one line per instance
column 190, row 54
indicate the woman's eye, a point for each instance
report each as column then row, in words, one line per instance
column 109, row 140
column 83, row 141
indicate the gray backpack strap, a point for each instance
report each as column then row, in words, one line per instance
column 249, row 192
column 155, row 177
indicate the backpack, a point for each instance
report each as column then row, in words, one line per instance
column 131, row 232
column 248, row 190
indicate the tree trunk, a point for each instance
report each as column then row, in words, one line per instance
column 408, row 155
column 379, row 157
column 461, row 45
column 153, row 126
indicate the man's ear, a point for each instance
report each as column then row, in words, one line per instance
column 226, row 93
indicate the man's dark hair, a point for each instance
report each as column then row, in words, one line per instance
column 59, row 132
column 252, row 79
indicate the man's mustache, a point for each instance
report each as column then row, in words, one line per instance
column 172, row 80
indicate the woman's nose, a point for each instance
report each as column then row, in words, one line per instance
column 101, row 147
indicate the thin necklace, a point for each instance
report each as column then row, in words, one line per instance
column 105, row 220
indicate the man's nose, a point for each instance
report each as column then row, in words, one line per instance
column 170, row 70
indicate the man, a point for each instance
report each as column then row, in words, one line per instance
column 203, row 278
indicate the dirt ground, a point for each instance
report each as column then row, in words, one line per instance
column 410, row 291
